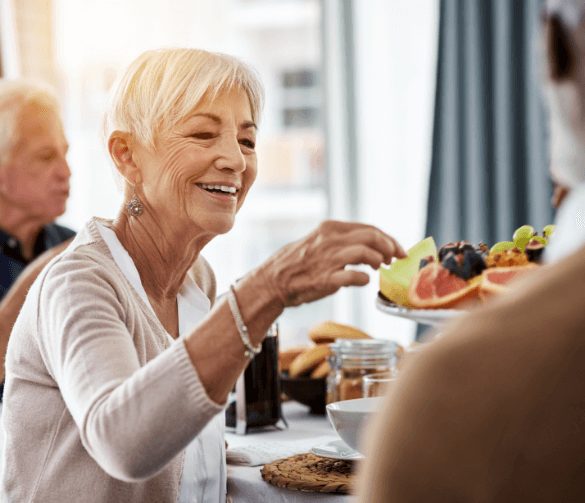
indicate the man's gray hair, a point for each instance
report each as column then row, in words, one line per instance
column 14, row 96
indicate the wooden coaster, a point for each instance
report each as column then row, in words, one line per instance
column 307, row 472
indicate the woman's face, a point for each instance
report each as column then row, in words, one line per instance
column 199, row 173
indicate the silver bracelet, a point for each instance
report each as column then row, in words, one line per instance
column 250, row 351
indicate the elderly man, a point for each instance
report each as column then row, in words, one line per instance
column 34, row 187
column 495, row 409
column 34, row 177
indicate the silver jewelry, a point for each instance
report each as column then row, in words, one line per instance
column 251, row 350
column 134, row 207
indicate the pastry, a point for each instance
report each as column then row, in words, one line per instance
column 321, row 371
column 328, row 331
column 286, row 356
column 308, row 360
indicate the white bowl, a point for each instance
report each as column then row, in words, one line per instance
column 349, row 416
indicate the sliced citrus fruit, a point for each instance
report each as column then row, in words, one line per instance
column 496, row 280
column 395, row 280
column 434, row 287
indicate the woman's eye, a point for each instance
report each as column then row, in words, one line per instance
column 248, row 143
column 204, row 136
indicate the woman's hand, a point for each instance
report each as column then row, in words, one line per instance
column 315, row 266
column 306, row 270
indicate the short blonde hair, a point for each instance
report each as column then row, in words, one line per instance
column 160, row 88
column 15, row 95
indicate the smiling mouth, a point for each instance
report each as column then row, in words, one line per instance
column 218, row 189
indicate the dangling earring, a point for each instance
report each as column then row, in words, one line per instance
column 134, row 207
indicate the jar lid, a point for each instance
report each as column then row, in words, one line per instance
column 364, row 347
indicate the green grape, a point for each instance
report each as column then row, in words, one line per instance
column 522, row 235
column 548, row 230
column 502, row 246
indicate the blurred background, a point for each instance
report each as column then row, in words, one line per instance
column 418, row 116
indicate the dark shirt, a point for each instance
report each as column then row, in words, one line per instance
column 12, row 262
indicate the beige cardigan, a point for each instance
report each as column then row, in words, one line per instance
column 99, row 402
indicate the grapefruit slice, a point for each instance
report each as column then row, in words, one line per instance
column 434, row 287
column 496, row 280
column 395, row 280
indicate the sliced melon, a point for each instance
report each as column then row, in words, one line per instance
column 395, row 280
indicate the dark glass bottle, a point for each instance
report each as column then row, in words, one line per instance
column 256, row 398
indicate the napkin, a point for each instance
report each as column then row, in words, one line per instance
column 260, row 453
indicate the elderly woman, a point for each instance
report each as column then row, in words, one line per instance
column 118, row 369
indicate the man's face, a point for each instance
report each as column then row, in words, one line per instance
column 34, row 177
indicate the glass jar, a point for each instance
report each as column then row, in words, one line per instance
column 352, row 359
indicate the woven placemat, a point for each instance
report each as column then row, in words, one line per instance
column 307, row 472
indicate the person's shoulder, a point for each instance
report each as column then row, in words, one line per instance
column 57, row 233
column 87, row 256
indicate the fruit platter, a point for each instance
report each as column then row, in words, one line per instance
column 433, row 285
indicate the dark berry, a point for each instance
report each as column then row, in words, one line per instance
column 465, row 246
column 449, row 247
column 534, row 250
column 453, row 263
column 426, row 261
column 473, row 264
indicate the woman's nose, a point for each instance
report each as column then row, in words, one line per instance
column 231, row 156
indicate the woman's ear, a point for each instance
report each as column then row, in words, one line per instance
column 121, row 147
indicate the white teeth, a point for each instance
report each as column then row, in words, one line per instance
column 223, row 188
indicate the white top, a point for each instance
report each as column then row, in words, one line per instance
column 570, row 226
column 204, row 471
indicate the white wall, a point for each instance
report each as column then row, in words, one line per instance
column 396, row 52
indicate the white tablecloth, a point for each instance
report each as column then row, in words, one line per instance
column 245, row 484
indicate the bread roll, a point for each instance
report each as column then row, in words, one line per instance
column 286, row 356
column 308, row 360
column 328, row 331
column 321, row 371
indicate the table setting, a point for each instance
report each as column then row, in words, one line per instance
column 311, row 452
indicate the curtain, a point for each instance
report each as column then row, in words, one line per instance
column 489, row 171
column 32, row 28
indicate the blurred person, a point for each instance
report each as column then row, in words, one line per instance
column 494, row 410
column 565, row 89
column 34, row 177
column 34, row 187
column 118, row 368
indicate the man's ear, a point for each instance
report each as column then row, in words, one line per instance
column 121, row 146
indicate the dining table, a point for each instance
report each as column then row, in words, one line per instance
column 245, row 483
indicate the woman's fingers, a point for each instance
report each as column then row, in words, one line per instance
column 348, row 277
column 314, row 267
column 357, row 254
column 377, row 240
